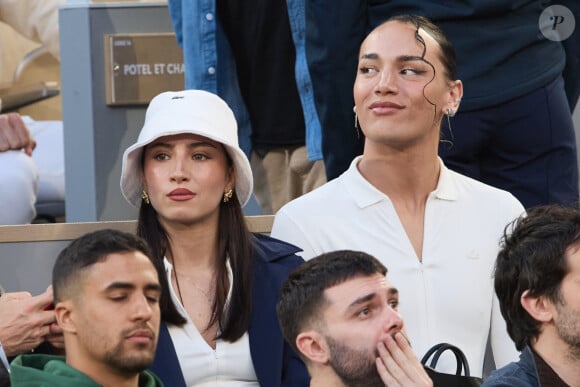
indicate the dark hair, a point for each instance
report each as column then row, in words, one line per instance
column 533, row 258
column 447, row 55
column 86, row 251
column 235, row 243
column 447, row 52
column 302, row 295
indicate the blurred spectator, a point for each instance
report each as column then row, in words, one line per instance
column 31, row 152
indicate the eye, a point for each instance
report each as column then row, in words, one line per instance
column 118, row 297
column 367, row 70
column 394, row 304
column 200, row 156
column 161, row 156
column 364, row 312
column 411, row 71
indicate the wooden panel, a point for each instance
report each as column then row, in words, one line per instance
column 69, row 231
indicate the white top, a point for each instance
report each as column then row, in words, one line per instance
column 229, row 364
column 4, row 359
column 446, row 297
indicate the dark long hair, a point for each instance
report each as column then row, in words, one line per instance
column 235, row 243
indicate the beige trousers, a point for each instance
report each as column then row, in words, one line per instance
column 284, row 174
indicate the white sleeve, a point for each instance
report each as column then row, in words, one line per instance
column 286, row 229
column 503, row 348
column 35, row 19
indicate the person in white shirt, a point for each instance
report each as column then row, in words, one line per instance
column 436, row 230
column 31, row 152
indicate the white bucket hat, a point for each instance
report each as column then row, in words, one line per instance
column 189, row 111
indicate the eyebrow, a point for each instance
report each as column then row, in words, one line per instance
column 400, row 58
column 366, row 298
column 130, row 286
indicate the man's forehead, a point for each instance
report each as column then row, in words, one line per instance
column 123, row 267
column 355, row 286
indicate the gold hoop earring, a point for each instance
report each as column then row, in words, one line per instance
column 145, row 197
column 228, row 195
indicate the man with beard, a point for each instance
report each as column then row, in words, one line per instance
column 537, row 281
column 106, row 294
column 339, row 312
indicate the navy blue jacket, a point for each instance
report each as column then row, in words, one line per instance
column 520, row 374
column 275, row 363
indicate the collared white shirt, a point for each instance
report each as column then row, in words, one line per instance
column 448, row 295
column 228, row 365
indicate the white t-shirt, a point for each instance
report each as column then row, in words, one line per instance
column 228, row 365
column 446, row 297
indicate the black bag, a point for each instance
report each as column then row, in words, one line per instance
column 449, row 380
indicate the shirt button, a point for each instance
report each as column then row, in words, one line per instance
column 211, row 70
column 209, row 16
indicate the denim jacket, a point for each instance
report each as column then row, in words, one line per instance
column 520, row 374
column 209, row 64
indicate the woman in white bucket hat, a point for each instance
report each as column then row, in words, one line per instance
column 220, row 282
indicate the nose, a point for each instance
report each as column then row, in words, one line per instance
column 386, row 83
column 393, row 321
column 142, row 308
column 179, row 173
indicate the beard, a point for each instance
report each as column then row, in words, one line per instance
column 130, row 361
column 355, row 367
column 568, row 328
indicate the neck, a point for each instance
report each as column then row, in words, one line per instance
column 193, row 246
column 100, row 373
column 559, row 356
column 324, row 376
column 401, row 175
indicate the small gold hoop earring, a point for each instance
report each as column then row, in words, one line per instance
column 228, row 195
column 145, row 197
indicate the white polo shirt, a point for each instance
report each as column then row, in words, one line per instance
column 447, row 296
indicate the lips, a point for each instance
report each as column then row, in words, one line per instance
column 141, row 336
column 385, row 107
column 180, row 194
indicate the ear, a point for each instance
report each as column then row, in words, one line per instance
column 538, row 307
column 312, row 345
column 455, row 95
column 64, row 311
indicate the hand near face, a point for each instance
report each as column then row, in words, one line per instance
column 24, row 322
column 397, row 364
column 55, row 337
column 14, row 135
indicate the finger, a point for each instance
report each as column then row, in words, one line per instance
column 55, row 329
column 46, row 318
column 4, row 128
column 401, row 351
column 15, row 296
column 384, row 373
column 19, row 128
column 30, row 147
column 405, row 356
column 41, row 301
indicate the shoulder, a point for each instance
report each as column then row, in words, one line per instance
column 511, row 375
column 274, row 251
column 518, row 374
column 471, row 189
